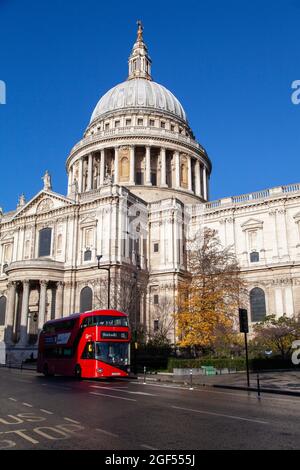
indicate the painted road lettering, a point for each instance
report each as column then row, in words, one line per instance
column 21, row 418
column 14, row 437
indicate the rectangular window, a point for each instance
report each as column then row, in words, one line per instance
column 128, row 122
column 140, row 122
column 45, row 242
column 155, row 325
column 155, row 299
column 254, row 257
column 152, row 122
column 117, row 123
column 172, row 127
column 107, row 126
column 162, row 124
column 156, row 247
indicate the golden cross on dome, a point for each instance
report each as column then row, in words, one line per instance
column 140, row 30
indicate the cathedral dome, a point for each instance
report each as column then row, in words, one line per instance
column 139, row 93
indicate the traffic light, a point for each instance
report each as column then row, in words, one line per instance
column 243, row 317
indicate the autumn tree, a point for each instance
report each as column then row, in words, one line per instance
column 208, row 301
column 276, row 334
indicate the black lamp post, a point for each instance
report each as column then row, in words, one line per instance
column 108, row 279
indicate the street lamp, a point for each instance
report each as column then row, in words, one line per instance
column 108, row 279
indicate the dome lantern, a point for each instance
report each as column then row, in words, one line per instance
column 139, row 60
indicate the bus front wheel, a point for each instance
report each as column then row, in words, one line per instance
column 78, row 371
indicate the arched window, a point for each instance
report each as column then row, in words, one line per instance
column 257, row 304
column 45, row 242
column 86, row 299
column 2, row 310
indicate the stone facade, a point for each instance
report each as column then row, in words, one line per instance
column 138, row 190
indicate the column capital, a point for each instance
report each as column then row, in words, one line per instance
column 11, row 284
column 26, row 282
column 44, row 282
column 60, row 284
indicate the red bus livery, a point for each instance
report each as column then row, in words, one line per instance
column 87, row 345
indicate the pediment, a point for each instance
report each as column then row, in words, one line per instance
column 8, row 236
column 252, row 224
column 44, row 202
column 88, row 220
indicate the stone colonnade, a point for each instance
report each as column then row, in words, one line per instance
column 25, row 287
column 91, row 171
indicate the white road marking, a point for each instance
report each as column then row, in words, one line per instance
column 46, row 411
column 27, row 404
column 211, row 413
column 119, row 389
column 12, row 399
column 107, row 432
column 148, row 447
column 111, row 396
column 162, row 386
column 72, row 420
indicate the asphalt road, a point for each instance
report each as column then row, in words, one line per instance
column 61, row 413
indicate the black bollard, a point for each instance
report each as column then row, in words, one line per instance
column 258, row 386
column 145, row 375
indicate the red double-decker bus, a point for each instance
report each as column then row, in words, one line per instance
column 87, row 345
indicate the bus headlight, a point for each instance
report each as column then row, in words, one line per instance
column 99, row 371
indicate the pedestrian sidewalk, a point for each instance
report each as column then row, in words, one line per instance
column 276, row 381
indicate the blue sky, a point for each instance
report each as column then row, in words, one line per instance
column 230, row 62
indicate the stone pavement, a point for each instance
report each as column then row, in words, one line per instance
column 275, row 380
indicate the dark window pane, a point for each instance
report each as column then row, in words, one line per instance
column 254, row 257
column 257, row 304
column 153, row 179
column 45, row 242
column 87, row 255
column 156, row 247
column 86, row 299
column 2, row 310
column 155, row 299
column 156, row 325
column 139, row 178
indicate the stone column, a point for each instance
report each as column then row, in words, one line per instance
column 197, row 178
column 177, row 169
column 148, row 166
column 189, row 168
column 70, row 180
column 116, row 174
column 102, row 166
column 132, row 165
column 90, row 172
column 80, row 175
column 9, row 321
column 42, row 304
column 204, row 183
column 59, row 300
column 24, row 313
column 163, row 170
